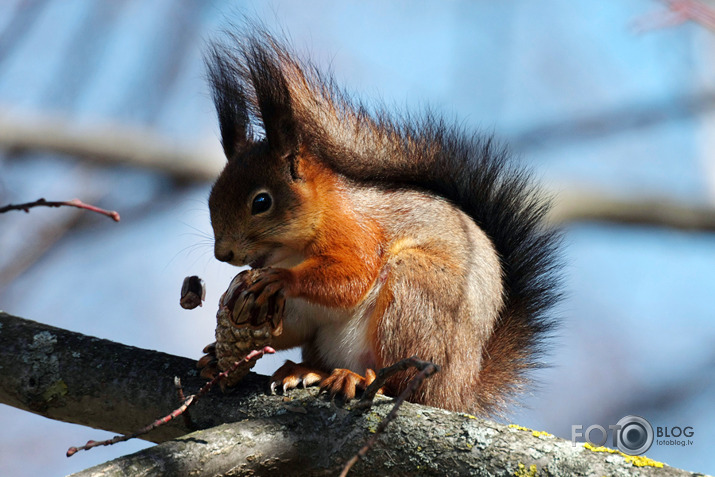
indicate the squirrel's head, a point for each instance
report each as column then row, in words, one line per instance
column 258, row 203
column 259, row 208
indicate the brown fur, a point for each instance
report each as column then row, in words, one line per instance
column 389, row 238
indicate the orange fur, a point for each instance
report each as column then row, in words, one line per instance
column 344, row 258
column 387, row 237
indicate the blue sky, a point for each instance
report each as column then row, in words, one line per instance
column 587, row 102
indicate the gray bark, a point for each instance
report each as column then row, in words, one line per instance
column 75, row 378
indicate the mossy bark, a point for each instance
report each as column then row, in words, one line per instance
column 75, row 378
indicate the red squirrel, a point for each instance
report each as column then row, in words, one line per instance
column 386, row 236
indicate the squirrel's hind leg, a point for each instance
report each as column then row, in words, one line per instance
column 345, row 383
column 427, row 313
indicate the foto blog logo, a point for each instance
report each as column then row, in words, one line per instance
column 632, row 435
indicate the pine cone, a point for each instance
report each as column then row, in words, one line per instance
column 241, row 327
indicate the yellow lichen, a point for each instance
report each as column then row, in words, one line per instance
column 642, row 461
column 522, row 471
column 533, row 432
column 470, row 416
column 593, row 448
column 373, row 421
column 57, row 389
column 521, row 428
column 636, row 460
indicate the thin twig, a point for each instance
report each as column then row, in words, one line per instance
column 69, row 203
column 426, row 368
column 255, row 354
column 386, row 373
column 180, row 391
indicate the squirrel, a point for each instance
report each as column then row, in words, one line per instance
column 386, row 236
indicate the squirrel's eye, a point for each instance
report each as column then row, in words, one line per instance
column 261, row 203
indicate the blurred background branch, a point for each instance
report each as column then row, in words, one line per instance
column 108, row 143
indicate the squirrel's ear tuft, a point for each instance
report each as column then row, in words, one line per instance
column 272, row 93
column 230, row 99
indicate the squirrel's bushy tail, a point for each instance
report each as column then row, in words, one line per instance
column 257, row 81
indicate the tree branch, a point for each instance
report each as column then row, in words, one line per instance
column 84, row 380
column 180, row 411
column 68, row 203
column 75, row 378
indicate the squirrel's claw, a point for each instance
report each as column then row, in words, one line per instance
column 291, row 375
column 208, row 364
column 270, row 282
column 341, row 382
column 345, row 383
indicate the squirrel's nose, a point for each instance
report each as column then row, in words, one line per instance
column 224, row 256
column 221, row 252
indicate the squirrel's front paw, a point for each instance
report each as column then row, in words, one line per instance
column 271, row 282
column 240, row 304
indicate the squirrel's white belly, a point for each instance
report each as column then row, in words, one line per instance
column 340, row 336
